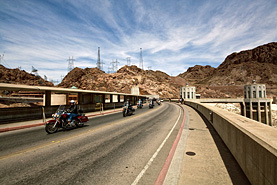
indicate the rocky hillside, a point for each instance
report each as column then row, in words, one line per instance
column 238, row 69
column 197, row 73
column 258, row 64
column 16, row 76
column 149, row 82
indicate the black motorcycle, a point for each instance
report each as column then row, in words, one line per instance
column 151, row 104
column 127, row 110
column 140, row 105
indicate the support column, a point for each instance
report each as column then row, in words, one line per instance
column 111, row 98
column 251, row 109
column 259, row 112
column 242, row 109
column 266, row 114
column 80, row 99
column 67, row 98
column 47, row 98
column 270, row 114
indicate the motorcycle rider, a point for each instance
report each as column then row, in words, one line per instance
column 128, row 105
column 72, row 111
column 139, row 102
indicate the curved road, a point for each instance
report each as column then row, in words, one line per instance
column 108, row 150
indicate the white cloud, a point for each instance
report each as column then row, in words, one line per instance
column 173, row 35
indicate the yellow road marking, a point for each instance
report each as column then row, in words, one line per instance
column 74, row 136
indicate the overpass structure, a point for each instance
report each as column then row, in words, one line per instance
column 88, row 101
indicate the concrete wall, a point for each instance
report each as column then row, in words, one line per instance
column 17, row 114
column 253, row 145
column 8, row 115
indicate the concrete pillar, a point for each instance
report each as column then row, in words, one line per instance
column 259, row 112
column 270, row 114
column 80, row 98
column 67, row 99
column 242, row 109
column 111, row 98
column 266, row 113
column 251, row 109
column 92, row 98
column 47, row 98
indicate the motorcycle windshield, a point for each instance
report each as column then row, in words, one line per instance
column 60, row 109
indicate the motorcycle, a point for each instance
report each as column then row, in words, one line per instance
column 140, row 105
column 60, row 120
column 127, row 110
column 151, row 104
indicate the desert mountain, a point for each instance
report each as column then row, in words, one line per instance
column 241, row 68
column 227, row 80
column 149, row 82
column 17, row 76
column 238, row 69
column 197, row 73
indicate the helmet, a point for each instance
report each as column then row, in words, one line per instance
column 72, row 101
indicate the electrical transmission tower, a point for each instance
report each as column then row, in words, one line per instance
column 115, row 65
column 70, row 63
column 128, row 61
column 141, row 59
column 99, row 63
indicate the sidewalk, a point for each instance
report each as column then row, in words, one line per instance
column 35, row 123
column 202, row 157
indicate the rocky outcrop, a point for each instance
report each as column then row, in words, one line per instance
column 197, row 73
column 258, row 64
column 17, row 76
column 238, row 69
column 149, row 81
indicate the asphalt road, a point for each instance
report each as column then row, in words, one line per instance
column 108, row 150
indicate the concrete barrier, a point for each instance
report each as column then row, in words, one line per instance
column 16, row 114
column 254, row 145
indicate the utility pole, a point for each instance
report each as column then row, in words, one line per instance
column 70, row 63
column 141, row 59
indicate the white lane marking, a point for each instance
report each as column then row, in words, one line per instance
column 155, row 154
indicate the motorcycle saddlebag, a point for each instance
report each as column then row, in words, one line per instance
column 83, row 118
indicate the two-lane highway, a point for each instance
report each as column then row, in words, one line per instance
column 108, row 150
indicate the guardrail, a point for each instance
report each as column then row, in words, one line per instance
column 254, row 145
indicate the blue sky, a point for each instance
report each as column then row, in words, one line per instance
column 174, row 35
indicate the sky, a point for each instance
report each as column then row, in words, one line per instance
column 174, row 35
